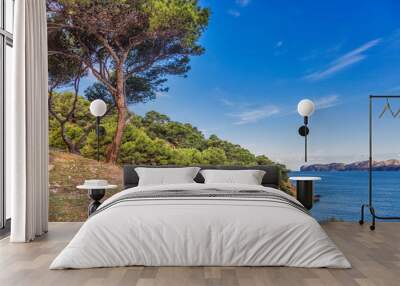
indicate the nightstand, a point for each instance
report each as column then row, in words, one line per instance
column 305, row 190
column 96, row 193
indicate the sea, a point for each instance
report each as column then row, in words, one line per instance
column 343, row 193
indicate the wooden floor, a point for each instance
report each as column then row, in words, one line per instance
column 375, row 257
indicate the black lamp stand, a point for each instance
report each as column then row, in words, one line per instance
column 100, row 131
column 304, row 131
column 97, row 194
column 98, row 136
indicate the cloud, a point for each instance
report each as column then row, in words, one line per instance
column 325, row 53
column 344, row 61
column 327, row 101
column 279, row 49
column 254, row 115
column 250, row 114
column 227, row 102
column 234, row 13
column 243, row 3
column 279, row 44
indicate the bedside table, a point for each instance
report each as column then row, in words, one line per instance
column 305, row 190
column 96, row 193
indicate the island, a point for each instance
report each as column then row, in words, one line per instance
column 386, row 165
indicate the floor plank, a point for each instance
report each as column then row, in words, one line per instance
column 375, row 257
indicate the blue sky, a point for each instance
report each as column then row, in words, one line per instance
column 262, row 57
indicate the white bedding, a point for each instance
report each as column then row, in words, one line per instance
column 200, row 231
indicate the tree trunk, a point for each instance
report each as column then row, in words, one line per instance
column 113, row 149
column 72, row 148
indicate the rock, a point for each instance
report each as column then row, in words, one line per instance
column 387, row 165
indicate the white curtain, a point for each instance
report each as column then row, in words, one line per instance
column 27, row 124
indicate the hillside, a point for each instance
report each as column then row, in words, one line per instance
column 387, row 165
column 66, row 171
column 151, row 139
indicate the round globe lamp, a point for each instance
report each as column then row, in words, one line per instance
column 305, row 108
column 98, row 108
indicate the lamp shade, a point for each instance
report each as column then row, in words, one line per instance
column 305, row 107
column 98, row 108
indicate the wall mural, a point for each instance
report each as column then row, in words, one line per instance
column 129, row 49
column 218, row 83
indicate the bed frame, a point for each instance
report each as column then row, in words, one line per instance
column 271, row 178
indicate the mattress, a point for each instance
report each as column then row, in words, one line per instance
column 201, row 225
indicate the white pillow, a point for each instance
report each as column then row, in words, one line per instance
column 166, row 176
column 248, row 177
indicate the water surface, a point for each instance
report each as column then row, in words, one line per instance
column 342, row 194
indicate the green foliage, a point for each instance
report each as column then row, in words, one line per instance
column 235, row 154
column 144, row 150
column 178, row 134
column 177, row 15
column 188, row 157
column 75, row 128
column 263, row 160
column 89, row 149
column 99, row 91
column 63, row 71
column 142, row 41
column 152, row 139
column 214, row 156
column 138, row 89
column 130, row 46
column 55, row 139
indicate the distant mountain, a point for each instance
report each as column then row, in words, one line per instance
column 388, row 165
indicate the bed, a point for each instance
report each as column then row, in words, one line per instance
column 201, row 224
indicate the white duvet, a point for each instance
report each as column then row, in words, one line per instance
column 200, row 231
